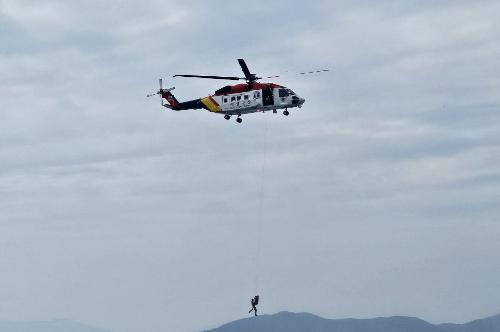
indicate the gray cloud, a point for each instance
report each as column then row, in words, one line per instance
column 379, row 197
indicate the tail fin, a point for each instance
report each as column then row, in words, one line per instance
column 172, row 101
column 165, row 93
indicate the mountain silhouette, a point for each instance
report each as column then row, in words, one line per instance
column 289, row 322
column 305, row 322
column 490, row 324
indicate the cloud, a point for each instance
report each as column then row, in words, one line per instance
column 111, row 207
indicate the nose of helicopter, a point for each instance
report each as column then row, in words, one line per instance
column 297, row 100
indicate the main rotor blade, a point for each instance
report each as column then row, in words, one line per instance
column 302, row 73
column 314, row 71
column 244, row 67
column 232, row 78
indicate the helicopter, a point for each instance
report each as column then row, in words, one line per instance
column 239, row 99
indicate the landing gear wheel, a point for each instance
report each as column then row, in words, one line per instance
column 239, row 120
column 227, row 117
column 286, row 113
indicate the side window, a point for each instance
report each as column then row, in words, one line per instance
column 238, row 98
column 224, row 100
column 256, row 95
column 246, row 97
column 233, row 98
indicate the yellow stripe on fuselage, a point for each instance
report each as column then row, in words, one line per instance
column 211, row 104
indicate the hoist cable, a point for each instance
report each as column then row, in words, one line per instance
column 262, row 214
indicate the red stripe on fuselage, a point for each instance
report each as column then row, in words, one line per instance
column 240, row 88
column 213, row 101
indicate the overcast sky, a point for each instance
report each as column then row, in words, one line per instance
column 379, row 197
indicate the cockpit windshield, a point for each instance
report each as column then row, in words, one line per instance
column 286, row 93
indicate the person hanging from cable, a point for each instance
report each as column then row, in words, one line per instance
column 254, row 302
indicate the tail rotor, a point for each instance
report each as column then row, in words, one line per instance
column 165, row 93
column 159, row 92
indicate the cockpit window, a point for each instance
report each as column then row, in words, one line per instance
column 283, row 93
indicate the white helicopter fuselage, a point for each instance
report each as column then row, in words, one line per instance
column 260, row 97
